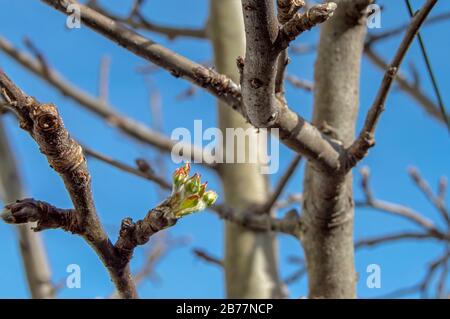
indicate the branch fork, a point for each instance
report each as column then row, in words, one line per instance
column 266, row 40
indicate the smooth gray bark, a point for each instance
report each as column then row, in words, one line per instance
column 328, row 206
column 251, row 258
column 34, row 259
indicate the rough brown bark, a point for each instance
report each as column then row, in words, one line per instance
column 65, row 156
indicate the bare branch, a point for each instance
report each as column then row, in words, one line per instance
column 103, row 79
column 423, row 286
column 442, row 188
column 65, row 156
column 129, row 126
column 203, row 255
column 368, row 242
column 147, row 174
column 372, row 39
column 294, row 131
column 282, row 63
column 290, row 224
column 365, row 141
column 281, row 184
column 265, row 42
column 296, row 276
column 30, row 244
column 302, row 22
column 47, row 216
column 178, row 65
column 288, row 8
column 408, row 87
column 441, row 291
column 426, row 190
column 291, row 199
column 390, row 208
column 300, row 84
column 137, row 21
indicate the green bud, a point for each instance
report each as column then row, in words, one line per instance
column 193, row 184
column 210, row 198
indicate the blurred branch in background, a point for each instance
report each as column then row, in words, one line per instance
column 428, row 231
column 435, row 110
column 207, row 257
column 103, row 79
column 308, row 86
column 130, row 127
column 32, row 249
column 136, row 20
column 147, row 174
column 162, row 245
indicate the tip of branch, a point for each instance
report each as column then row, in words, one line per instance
column 301, row 22
column 22, row 211
column 365, row 171
column 7, row 216
column 413, row 171
column 322, row 12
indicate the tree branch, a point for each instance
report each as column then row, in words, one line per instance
column 294, row 131
column 300, row 84
column 47, row 216
column 130, row 127
column 367, row 242
column 265, row 42
column 290, row 224
column 203, row 255
column 372, row 39
column 407, row 86
column 426, row 190
column 365, row 141
column 30, row 244
column 65, row 156
column 137, row 21
column 390, row 208
column 148, row 175
column 281, row 184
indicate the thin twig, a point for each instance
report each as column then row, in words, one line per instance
column 366, row 138
column 137, row 21
column 426, row 190
column 203, row 255
column 410, row 88
column 103, row 80
column 130, row 127
column 290, row 224
column 368, row 242
column 372, row 39
column 127, row 168
column 282, row 184
column 300, row 84
column 391, row 208
column 436, row 89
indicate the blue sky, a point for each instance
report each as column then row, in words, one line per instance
column 406, row 136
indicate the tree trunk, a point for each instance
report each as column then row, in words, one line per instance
column 31, row 247
column 328, row 207
column 251, row 258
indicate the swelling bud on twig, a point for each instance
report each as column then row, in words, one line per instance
column 189, row 195
column 301, row 22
